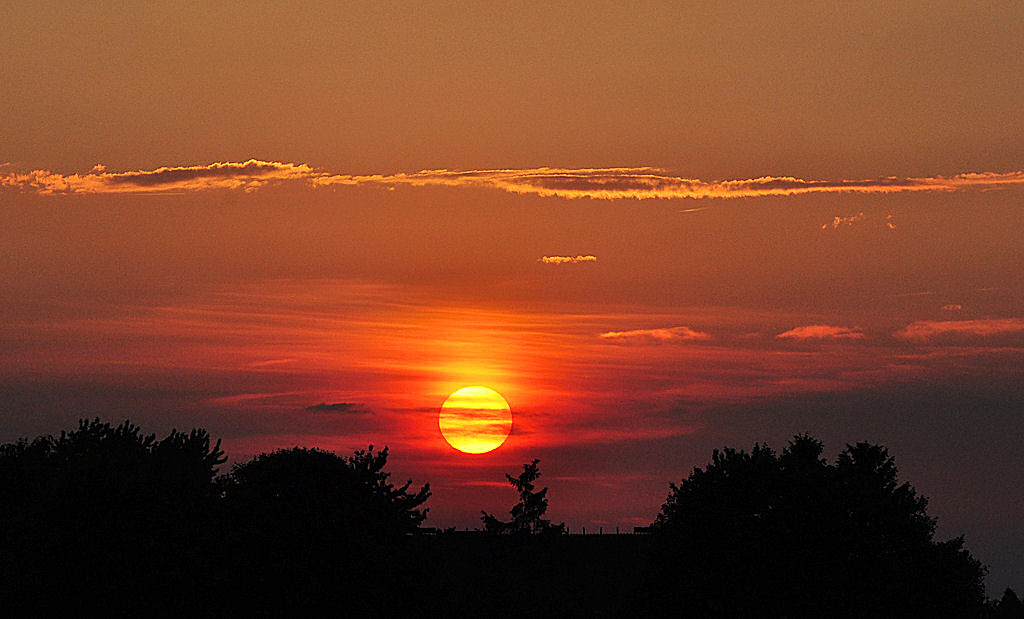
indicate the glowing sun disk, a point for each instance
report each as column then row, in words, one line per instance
column 475, row 420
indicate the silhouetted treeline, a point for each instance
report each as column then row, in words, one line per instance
column 105, row 516
column 104, row 520
column 107, row 520
column 791, row 535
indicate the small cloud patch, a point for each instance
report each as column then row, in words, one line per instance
column 656, row 336
column 822, row 332
column 840, row 222
column 566, row 259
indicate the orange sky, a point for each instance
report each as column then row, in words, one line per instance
column 655, row 228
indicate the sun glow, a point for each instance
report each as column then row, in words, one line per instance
column 475, row 420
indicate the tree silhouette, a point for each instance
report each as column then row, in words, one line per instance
column 314, row 528
column 106, row 476
column 100, row 464
column 106, row 513
column 795, row 536
column 1008, row 607
column 528, row 513
column 311, row 490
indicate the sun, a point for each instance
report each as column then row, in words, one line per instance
column 475, row 420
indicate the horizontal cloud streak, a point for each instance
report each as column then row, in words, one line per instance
column 247, row 175
column 566, row 259
column 665, row 335
column 952, row 330
column 648, row 183
column 821, row 332
column 348, row 408
column 638, row 183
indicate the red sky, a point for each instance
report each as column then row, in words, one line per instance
column 656, row 229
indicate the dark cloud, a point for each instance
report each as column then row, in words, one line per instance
column 347, row 408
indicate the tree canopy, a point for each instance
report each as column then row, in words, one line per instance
column 102, row 507
column 107, row 476
column 116, row 521
column 320, row 491
column 790, row 534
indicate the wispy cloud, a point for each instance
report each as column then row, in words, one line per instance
column 566, row 259
column 247, row 176
column 665, row 335
column 348, row 408
column 822, row 332
column 637, row 183
column 647, row 183
column 952, row 330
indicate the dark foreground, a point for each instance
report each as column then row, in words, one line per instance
column 454, row 575
column 447, row 575
column 106, row 521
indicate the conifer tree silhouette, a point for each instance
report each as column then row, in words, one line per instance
column 528, row 513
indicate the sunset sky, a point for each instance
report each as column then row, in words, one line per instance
column 655, row 228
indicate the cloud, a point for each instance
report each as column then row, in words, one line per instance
column 845, row 222
column 247, row 175
column 348, row 408
column 654, row 336
column 637, row 183
column 566, row 259
column 838, row 221
column 953, row 331
column 822, row 332
column 648, row 183
column 952, row 307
